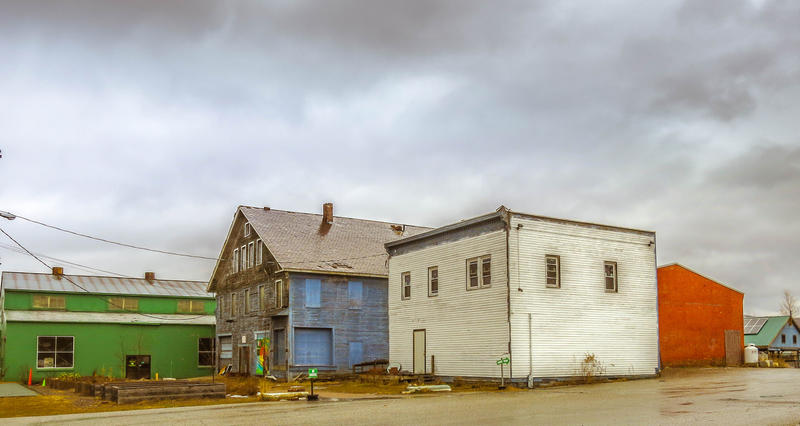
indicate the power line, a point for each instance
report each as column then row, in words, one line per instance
column 108, row 300
column 306, row 262
column 67, row 262
column 173, row 253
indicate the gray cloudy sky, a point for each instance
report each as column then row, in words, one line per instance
column 149, row 122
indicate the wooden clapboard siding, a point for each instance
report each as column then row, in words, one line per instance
column 367, row 324
column 466, row 330
column 580, row 318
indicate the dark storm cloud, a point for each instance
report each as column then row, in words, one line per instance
column 148, row 122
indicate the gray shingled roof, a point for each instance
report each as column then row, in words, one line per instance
column 103, row 285
column 299, row 241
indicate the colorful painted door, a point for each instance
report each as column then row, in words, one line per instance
column 419, row 351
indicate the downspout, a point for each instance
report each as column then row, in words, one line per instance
column 507, row 219
column 658, row 331
column 530, row 350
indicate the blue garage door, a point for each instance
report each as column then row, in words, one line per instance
column 312, row 346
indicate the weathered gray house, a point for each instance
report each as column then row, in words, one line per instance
column 299, row 290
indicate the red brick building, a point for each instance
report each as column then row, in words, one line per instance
column 700, row 321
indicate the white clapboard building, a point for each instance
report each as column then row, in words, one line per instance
column 559, row 298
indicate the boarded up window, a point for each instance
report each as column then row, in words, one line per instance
column 234, row 309
column 262, row 298
column 226, row 349
column 130, row 304
column 42, row 301
column 313, row 290
column 244, row 257
column 205, row 351
column 251, row 253
column 433, row 281
column 552, row 271
column 313, row 346
column 192, row 306
column 55, row 351
column 259, row 252
column 355, row 294
column 248, row 306
column 236, row 260
column 611, row 276
column 405, row 285
column 278, row 293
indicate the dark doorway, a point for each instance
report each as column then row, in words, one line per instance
column 279, row 345
column 137, row 367
column 244, row 359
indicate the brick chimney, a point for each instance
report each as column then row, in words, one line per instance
column 150, row 276
column 58, row 271
column 327, row 213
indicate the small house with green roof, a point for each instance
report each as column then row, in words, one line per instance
column 52, row 324
column 773, row 334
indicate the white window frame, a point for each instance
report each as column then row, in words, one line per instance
column 55, row 354
column 259, row 252
column 557, row 260
column 431, row 280
column 251, row 254
column 244, row 257
column 279, row 294
column 247, row 229
column 405, row 284
column 615, row 276
column 236, row 260
column 481, row 281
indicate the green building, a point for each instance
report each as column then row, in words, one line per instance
column 122, row 327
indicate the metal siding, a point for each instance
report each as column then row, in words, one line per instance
column 103, row 285
column 102, row 317
column 581, row 318
column 466, row 330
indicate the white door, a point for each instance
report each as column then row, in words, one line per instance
column 419, row 351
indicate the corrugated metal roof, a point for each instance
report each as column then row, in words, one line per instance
column 299, row 241
column 103, row 285
column 110, row 318
column 768, row 332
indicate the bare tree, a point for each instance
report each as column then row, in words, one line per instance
column 789, row 304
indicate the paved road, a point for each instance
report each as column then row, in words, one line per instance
column 716, row 396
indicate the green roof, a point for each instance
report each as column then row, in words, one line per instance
column 768, row 332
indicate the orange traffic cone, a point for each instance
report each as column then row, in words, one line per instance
column 30, row 376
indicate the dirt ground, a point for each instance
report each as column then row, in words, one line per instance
column 674, row 384
column 54, row 401
column 729, row 396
